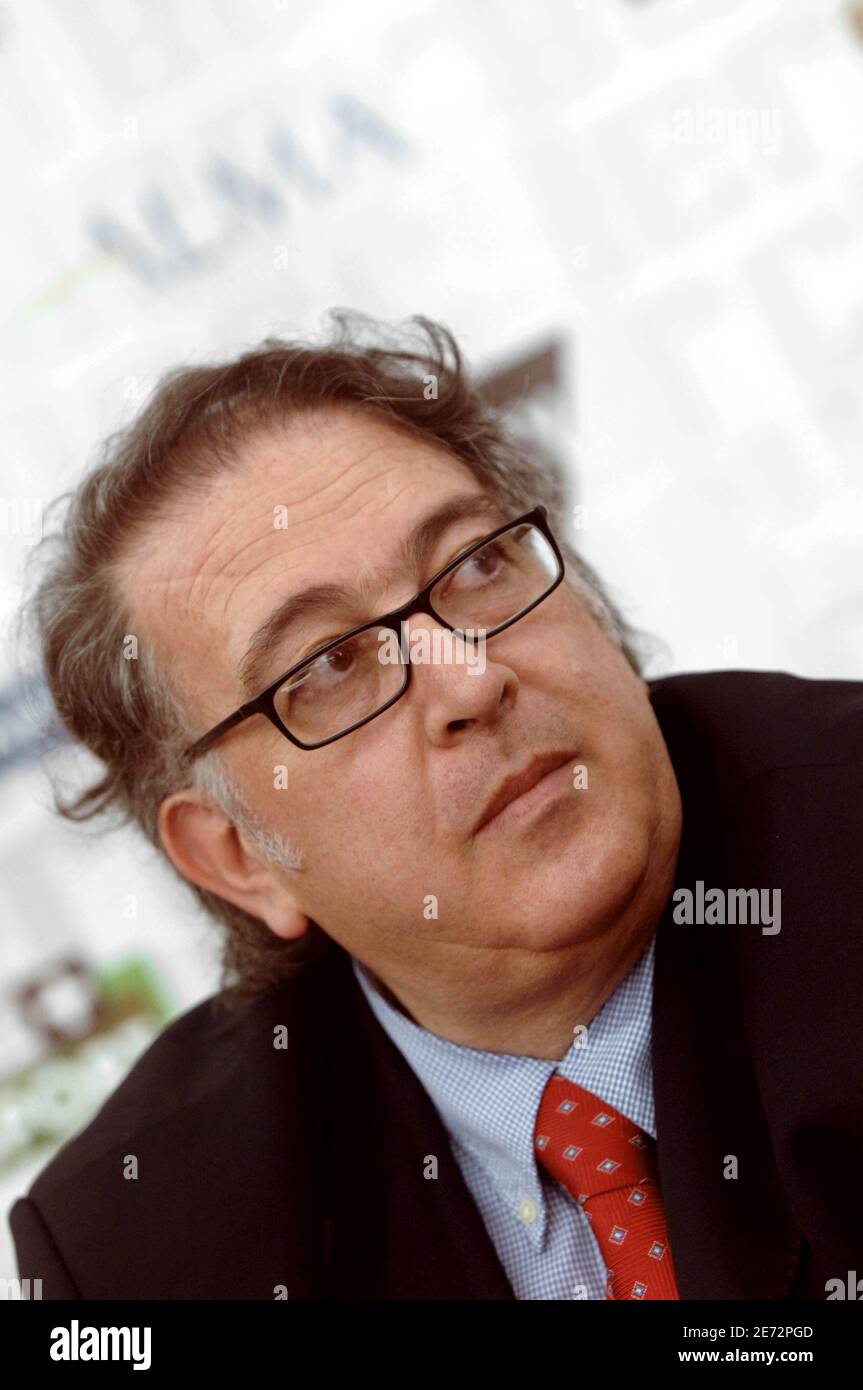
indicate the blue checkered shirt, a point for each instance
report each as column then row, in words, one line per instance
column 488, row 1102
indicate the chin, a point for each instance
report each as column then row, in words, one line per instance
column 604, row 881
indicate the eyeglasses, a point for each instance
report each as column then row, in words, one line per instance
column 353, row 678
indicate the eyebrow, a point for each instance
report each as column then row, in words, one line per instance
column 321, row 600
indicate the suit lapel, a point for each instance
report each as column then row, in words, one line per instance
column 731, row 1230
column 731, row 1236
column 397, row 1232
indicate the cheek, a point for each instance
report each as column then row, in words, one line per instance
column 608, row 705
column 600, row 688
column 573, row 645
column 375, row 816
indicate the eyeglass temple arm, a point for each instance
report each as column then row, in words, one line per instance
column 204, row 743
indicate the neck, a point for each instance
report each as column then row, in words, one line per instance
column 528, row 1004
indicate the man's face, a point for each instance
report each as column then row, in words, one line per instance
column 394, row 868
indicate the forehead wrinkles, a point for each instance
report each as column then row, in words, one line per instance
column 237, row 584
column 267, row 545
column 371, row 445
column 263, row 457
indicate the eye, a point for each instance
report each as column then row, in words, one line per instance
column 462, row 548
column 484, row 567
column 323, row 674
column 491, row 555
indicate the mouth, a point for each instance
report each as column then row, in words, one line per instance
column 541, row 781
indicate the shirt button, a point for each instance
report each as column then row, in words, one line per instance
column 527, row 1211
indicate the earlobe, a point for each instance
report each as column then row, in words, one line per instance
column 287, row 922
column 268, row 898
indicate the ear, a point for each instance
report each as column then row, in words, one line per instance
column 206, row 847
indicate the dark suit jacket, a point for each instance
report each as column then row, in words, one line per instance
column 304, row 1167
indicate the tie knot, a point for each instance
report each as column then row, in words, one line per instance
column 591, row 1147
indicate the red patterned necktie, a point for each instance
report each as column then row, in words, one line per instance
column 609, row 1165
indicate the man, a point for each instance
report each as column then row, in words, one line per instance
column 483, row 1039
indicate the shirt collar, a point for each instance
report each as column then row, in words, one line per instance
column 488, row 1101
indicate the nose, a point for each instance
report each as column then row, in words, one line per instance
column 455, row 683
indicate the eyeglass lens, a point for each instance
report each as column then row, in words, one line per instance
column 354, row 680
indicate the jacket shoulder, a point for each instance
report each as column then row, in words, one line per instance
column 758, row 721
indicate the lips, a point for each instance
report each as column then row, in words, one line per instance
column 516, row 784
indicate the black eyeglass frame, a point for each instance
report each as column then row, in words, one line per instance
column 264, row 703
